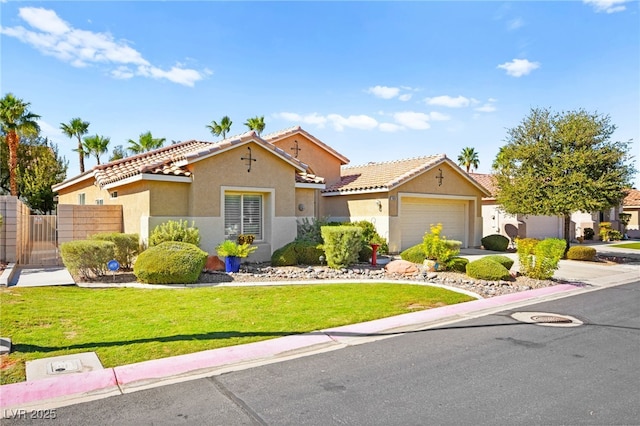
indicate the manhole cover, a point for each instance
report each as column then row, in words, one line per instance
column 547, row 319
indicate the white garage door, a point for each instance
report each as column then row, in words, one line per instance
column 418, row 214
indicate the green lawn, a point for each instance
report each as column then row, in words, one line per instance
column 124, row 325
column 635, row 246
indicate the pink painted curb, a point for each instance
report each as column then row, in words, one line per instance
column 189, row 363
column 40, row 390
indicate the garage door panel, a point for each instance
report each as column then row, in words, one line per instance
column 419, row 214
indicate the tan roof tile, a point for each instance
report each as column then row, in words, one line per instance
column 382, row 176
column 487, row 181
column 632, row 198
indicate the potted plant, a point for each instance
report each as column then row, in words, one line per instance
column 233, row 253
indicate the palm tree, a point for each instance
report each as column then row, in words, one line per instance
column 256, row 123
column 77, row 128
column 468, row 157
column 222, row 128
column 146, row 142
column 96, row 145
column 16, row 121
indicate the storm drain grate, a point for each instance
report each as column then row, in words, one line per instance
column 547, row 319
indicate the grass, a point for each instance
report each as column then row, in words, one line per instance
column 635, row 246
column 124, row 325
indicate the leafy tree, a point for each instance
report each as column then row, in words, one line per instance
column 36, row 177
column 77, row 128
column 222, row 128
column 256, row 123
column 95, row 145
column 468, row 157
column 118, row 153
column 558, row 163
column 16, row 120
column 146, row 142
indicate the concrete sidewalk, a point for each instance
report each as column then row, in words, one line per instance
column 80, row 387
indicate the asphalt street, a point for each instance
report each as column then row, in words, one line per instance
column 489, row 370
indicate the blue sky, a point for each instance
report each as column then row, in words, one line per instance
column 377, row 81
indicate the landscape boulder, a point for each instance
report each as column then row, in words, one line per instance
column 402, row 267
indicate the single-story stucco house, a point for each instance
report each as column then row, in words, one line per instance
column 631, row 205
column 496, row 221
column 263, row 186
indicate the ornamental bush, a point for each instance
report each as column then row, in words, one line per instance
column 87, row 258
column 538, row 259
column 127, row 246
column 503, row 260
column 414, row 254
column 487, row 269
column 581, row 253
column 437, row 247
column 369, row 236
column 457, row 264
column 495, row 242
column 297, row 253
column 588, row 233
column 342, row 244
column 175, row 231
column 171, row 262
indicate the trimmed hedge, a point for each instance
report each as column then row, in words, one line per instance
column 581, row 253
column 172, row 230
column 538, row 259
column 414, row 254
column 495, row 242
column 87, row 258
column 297, row 253
column 171, row 262
column 503, row 260
column 458, row 264
column 127, row 246
column 487, row 269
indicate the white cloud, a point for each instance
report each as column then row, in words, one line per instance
column 438, row 116
column 519, row 67
column 384, row 92
column 488, row 107
column 314, row 118
column 448, row 101
column 608, row 6
column 362, row 122
column 405, row 97
column 514, row 24
column 390, row 127
column 49, row 131
column 412, row 120
column 54, row 37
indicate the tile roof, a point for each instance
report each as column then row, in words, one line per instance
column 382, row 176
column 487, row 181
column 271, row 137
column 172, row 160
column 632, row 198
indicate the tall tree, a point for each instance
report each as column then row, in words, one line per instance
column 118, row 153
column 37, row 176
column 468, row 157
column 146, row 142
column 95, row 145
column 16, row 120
column 77, row 128
column 559, row 163
column 221, row 128
column 256, row 123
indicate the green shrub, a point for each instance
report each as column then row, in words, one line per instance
column 487, row 269
column 229, row 248
column 127, row 246
column 503, row 260
column 341, row 245
column 605, row 230
column 175, row 231
column 87, row 258
column 538, row 259
column 495, row 242
column 171, row 262
column 437, row 247
column 588, row 233
column 615, row 235
column 414, row 254
column 370, row 236
column 457, row 264
column 310, row 230
column 297, row 253
column 581, row 253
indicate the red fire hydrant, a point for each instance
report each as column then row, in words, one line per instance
column 374, row 258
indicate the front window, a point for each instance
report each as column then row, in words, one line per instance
column 242, row 215
column 81, row 198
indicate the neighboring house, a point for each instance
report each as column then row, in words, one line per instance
column 631, row 205
column 265, row 185
column 495, row 221
column 404, row 197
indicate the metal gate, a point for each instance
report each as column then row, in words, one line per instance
column 37, row 241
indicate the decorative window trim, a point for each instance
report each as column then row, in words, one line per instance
column 82, row 198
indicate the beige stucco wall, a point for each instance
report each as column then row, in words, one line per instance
column 322, row 162
column 305, row 204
